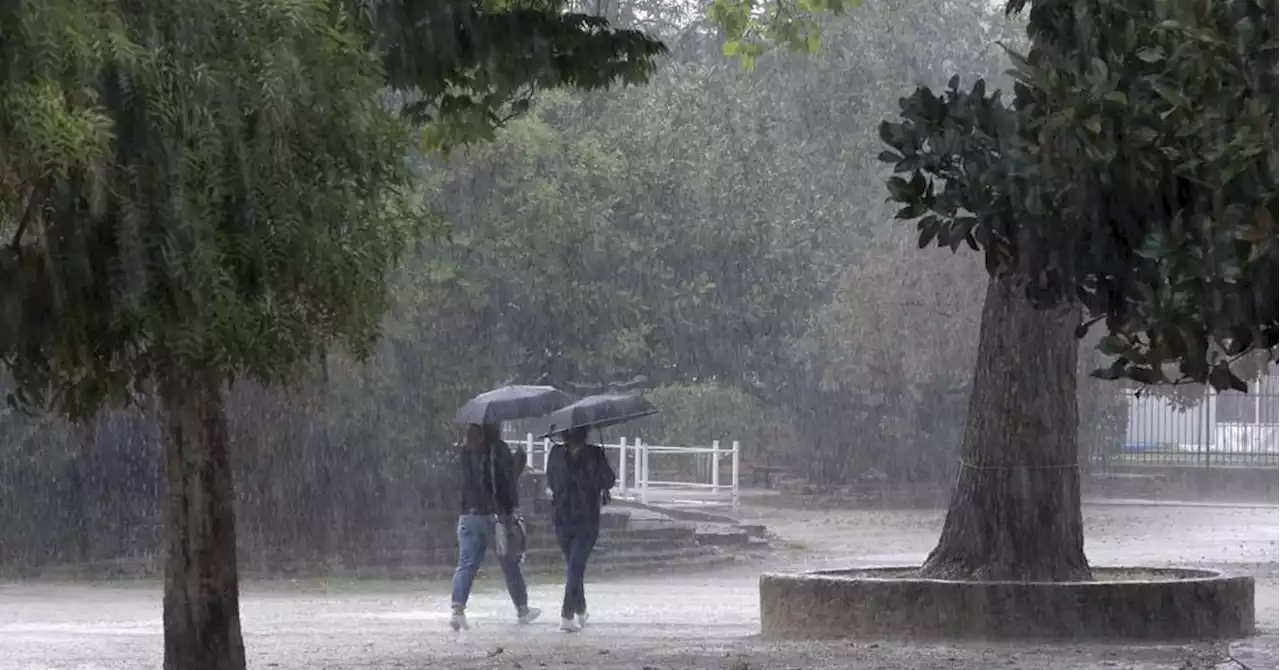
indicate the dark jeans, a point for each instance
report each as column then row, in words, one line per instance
column 576, row 542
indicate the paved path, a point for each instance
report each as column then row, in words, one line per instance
column 708, row 620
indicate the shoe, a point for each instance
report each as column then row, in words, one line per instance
column 582, row 619
column 458, row 621
column 569, row 626
column 528, row 615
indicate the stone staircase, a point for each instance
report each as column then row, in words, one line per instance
column 624, row 545
column 633, row 539
column 650, row 545
column 628, row 545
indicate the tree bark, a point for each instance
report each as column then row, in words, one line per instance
column 1015, row 508
column 202, row 593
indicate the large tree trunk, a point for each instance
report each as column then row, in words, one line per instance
column 202, row 593
column 1015, row 509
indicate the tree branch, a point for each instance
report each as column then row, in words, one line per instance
column 34, row 196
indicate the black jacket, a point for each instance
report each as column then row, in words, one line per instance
column 482, row 493
column 579, row 485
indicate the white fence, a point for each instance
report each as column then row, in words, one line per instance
column 635, row 481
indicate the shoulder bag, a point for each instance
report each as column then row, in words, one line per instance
column 508, row 529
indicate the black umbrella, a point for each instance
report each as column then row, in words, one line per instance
column 597, row 411
column 512, row 402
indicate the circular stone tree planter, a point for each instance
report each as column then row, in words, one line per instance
column 1121, row 603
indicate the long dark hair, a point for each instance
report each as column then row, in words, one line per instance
column 578, row 434
column 481, row 435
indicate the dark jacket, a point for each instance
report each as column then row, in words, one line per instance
column 579, row 484
column 480, row 493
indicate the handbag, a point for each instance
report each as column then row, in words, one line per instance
column 509, row 535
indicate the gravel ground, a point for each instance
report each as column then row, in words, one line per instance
column 708, row 620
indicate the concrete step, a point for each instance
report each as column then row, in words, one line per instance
column 540, row 549
column 446, row 522
column 658, row 554
column 536, row 524
column 702, row 514
column 619, row 546
column 682, row 565
column 626, row 562
column 544, row 535
column 638, row 558
column 603, row 555
column 723, row 536
column 542, row 509
column 650, row 529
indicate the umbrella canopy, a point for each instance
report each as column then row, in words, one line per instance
column 507, row 403
column 597, row 411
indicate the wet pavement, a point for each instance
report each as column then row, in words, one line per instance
column 704, row 620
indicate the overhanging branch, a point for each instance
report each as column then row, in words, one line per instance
column 35, row 196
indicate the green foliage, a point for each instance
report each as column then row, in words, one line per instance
column 1134, row 171
column 219, row 186
column 659, row 232
column 613, row 247
column 718, row 232
column 750, row 27
column 49, row 114
column 469, row 66
column 245, row 214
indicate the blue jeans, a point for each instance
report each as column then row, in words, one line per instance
column 475, row 533
column 576, row 542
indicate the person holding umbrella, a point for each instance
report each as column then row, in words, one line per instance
column 489, row 499
column 580, row 477
column 487, row 495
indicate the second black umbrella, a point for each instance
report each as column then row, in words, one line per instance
column 597, row 411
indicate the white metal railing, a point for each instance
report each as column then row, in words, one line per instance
column 634, row 480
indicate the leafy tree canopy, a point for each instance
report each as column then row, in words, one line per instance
column 749, row 27
column 1134, row 171
column 471, row 64
column 219, row 187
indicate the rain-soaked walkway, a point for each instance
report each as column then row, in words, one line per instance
column 707, row 620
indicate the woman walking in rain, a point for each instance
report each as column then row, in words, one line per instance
column 489, row 497
column 580, row 477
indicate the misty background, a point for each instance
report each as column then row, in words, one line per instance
column 718, row 239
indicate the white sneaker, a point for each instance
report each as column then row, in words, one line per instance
column 582, row 620
column 458, row 621
column 529, row 615
column 569, row 626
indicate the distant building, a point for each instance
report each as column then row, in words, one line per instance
column 1221, row 424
